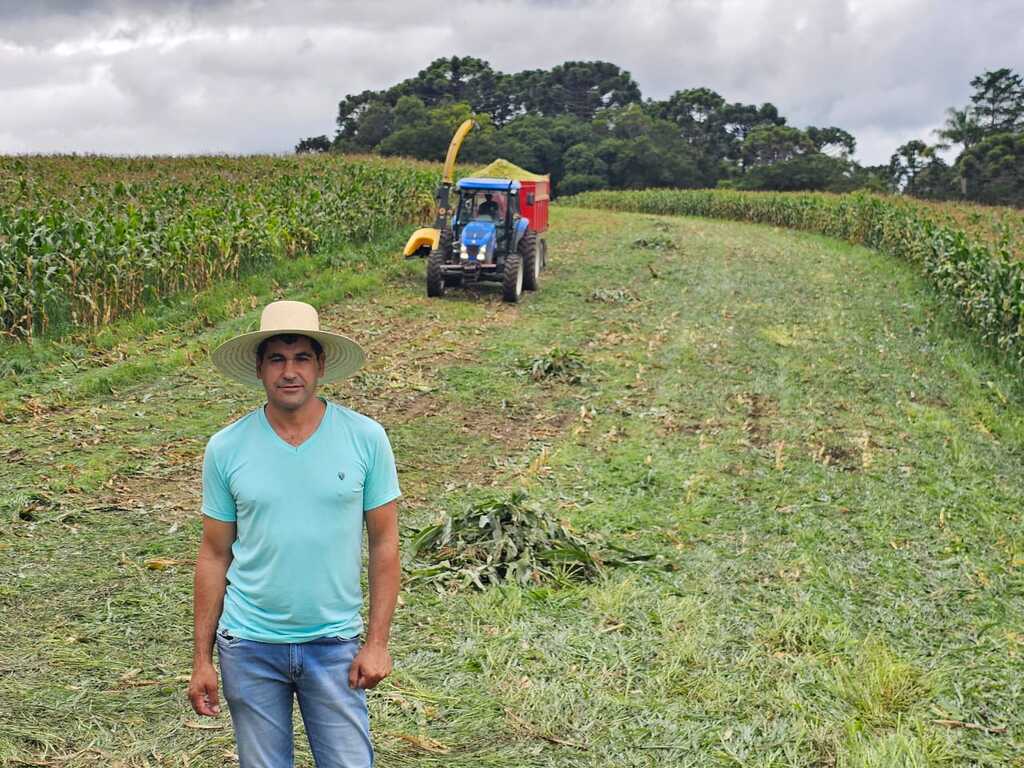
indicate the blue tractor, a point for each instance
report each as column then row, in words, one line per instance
column 490, row 240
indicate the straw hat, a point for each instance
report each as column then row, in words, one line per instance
column 237, row 357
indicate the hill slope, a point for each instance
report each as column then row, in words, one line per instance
column 824, row 471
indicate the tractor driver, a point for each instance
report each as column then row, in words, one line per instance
column 489, row 207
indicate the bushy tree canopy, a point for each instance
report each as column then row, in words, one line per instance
column 994, row 169
column 587, row 124
column 313, row 144
column 998, row 101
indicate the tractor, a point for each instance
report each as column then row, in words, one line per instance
column 491, row 240
column 491, row 231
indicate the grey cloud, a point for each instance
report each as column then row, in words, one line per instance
column 15, row 10
column 242, row 76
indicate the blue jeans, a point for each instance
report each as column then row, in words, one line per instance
column 260, row 681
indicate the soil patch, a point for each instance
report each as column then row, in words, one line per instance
column 759, row 409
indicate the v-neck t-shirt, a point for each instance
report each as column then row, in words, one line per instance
column 298, row 511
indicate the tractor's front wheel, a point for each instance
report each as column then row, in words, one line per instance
column 435, row 273
column 531, row 257
column 512, row 279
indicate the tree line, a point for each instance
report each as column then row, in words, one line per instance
column 588, row 125
column 989, row 131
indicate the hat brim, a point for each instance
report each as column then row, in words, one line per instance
column 236, row 358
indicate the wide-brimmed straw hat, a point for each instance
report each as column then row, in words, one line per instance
column 237, row 357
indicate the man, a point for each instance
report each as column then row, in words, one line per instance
column 287, row 490
column 488, row 207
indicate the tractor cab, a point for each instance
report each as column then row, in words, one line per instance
column 487, row 223
column 483, row 205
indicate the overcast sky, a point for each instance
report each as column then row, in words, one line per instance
column 243, row 76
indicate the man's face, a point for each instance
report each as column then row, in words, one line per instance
column 289, row 373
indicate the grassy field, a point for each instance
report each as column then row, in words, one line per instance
column 823, row 468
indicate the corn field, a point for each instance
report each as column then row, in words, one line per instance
column 84, row 240
column 973, row 255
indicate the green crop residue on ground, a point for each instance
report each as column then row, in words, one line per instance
column 818, row 467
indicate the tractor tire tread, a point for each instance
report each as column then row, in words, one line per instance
column 435, row 274
column 511, row 287
column 530, row 255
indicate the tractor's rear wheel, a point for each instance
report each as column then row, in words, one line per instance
column 512, row 279
column 531, row 261
column 435, row 273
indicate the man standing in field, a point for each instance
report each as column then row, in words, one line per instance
column 287, row 490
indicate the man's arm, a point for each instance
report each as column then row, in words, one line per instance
column 373, row 663
column 210, row 582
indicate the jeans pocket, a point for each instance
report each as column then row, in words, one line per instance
column 226, row 640
column 343, row 640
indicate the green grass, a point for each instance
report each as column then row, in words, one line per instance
column 822, row 465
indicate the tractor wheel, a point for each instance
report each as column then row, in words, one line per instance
column 531, row 261
column 435, row 273
column 444, row 241
column 512, row 278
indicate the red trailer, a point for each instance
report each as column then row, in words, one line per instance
column 533, row 202
column 534, row 197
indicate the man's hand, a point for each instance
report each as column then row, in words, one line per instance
column 202, row 691
column 371, row 665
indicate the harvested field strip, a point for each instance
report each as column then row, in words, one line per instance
column 822, row 468
column 971, row 254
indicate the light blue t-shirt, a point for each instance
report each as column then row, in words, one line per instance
column 299, row 520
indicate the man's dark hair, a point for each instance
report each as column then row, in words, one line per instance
column 288, row 338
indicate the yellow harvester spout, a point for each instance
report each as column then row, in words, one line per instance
column 423, row 241
column 453, row 151
column 426, row 238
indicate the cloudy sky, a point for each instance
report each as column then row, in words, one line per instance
column 243, row 76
